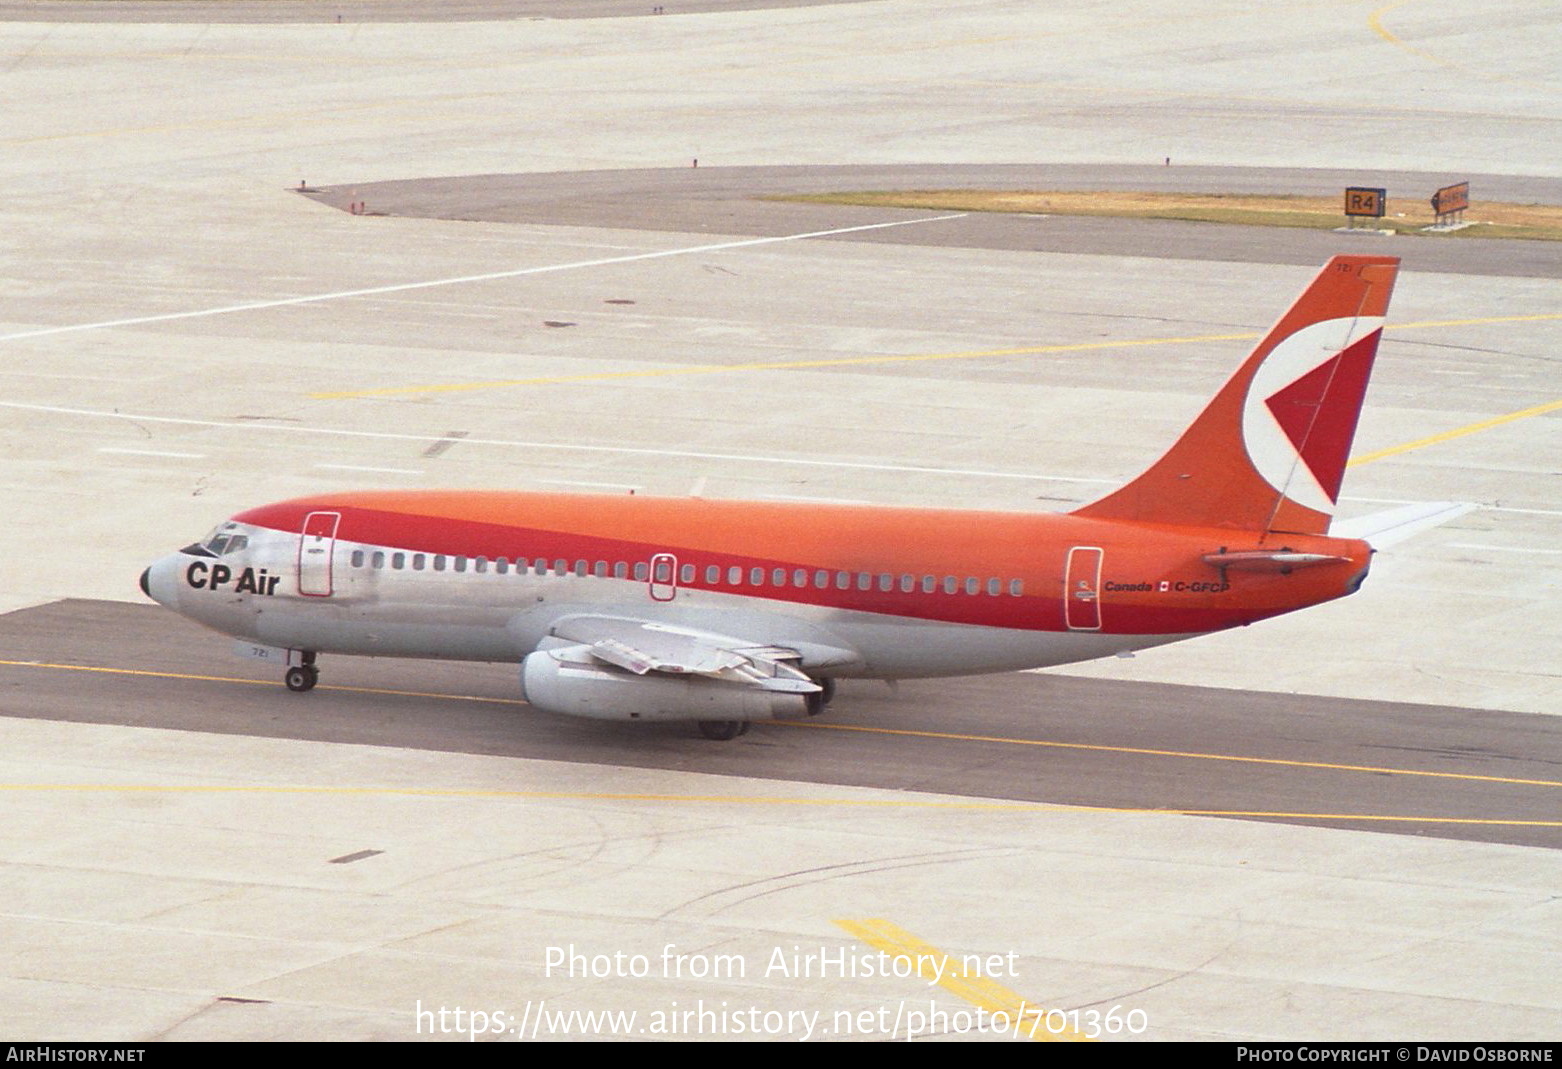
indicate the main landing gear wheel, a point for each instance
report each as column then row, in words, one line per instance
column 723, row 730
column 821, row 698
column 302, row 678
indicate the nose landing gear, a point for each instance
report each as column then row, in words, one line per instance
column 304, row 675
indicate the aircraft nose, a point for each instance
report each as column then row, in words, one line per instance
column 160, row 581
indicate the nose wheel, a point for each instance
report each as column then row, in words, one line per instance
column 302, row 677
column 723, row 730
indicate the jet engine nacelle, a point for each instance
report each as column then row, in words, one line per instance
column 556, row 682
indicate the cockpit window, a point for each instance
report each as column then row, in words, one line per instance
column 224, row 540
column 224, row 544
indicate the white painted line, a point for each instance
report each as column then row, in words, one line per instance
column 1384, row 500
column 564, row 447
column 1484, row 508
column 360, row 467
column 1506, row 549
column 600, row 486
column 1523, row 512
column 403, row 287
column 815, row 500
column 152, row 453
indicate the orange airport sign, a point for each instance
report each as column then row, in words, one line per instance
column 1364, row 201
column 1450, row 199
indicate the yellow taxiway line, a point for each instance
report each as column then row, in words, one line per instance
column 978, row 354
column 864, row 361
column 976, row 805
column 1006, row 1011
column 949, row 736
column 1189, row 755
column 1457, row 432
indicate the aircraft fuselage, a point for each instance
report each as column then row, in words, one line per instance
column 869, row 592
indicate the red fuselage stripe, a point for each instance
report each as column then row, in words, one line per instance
column 1144, row 611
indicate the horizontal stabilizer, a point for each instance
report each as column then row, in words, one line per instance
column 1393, row 526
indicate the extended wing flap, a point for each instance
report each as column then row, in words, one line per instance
column 679, row 654
column 641, row 647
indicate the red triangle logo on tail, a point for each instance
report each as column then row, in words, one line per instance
column 1318, row 411
column 1268, row 452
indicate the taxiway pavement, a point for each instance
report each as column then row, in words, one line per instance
column 187, row 336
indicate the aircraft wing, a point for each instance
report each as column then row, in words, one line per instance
column 645, row 647
column 1393, row 526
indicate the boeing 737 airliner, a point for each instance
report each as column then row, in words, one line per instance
column 725, row 612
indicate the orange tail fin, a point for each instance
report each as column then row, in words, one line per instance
column 1269, row 451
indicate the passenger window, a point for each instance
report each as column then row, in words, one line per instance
column 929, row 584
column 843, row 580
column 778, row 577
column 460, row 564
column 735, row 576
column 620, row 570
column 398, row 561
column 686, row 574
column 561, row 567
column 800, row 577
column 600, row 571
column 886, row 583
column 994, row 587
column 378, row 560
column 357, row 558
column 864, row 581
column 642, row 570
column 973, row 586
column 756, row 577
column 439, row 562
column 821, row 579
column 417, row 562
column 502, row 565
column 581, row 570
column 951, row 585
column 908, row 584
column 712, row 574
column 1016, row 587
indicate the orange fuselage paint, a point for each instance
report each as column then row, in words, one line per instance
column 1152, row 579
